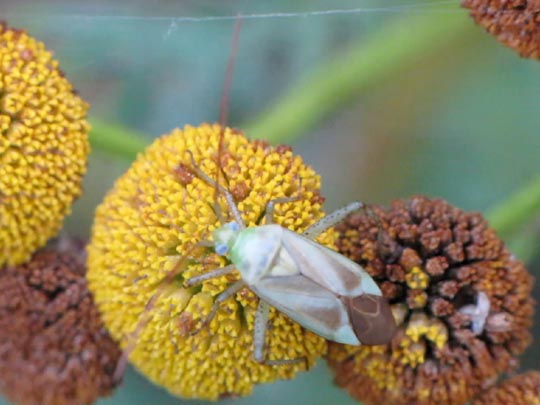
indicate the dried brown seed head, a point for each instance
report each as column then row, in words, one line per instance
column 523, row 389
column 515, row 23
column 462, row 302
column 53, row 347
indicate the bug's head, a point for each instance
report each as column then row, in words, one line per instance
column 224, row 237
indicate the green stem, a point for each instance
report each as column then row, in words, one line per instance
column 116, row 140
column 517, row 210
column 398, row 45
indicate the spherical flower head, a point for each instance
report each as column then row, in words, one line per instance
column 152, row 221
column 462, row 303
column 54, row 349
column 43, row 145
column 522, row 389
column 515, row 23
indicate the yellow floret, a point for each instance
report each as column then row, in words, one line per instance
column 43, row 145
column 151, row 222
column 417, row 278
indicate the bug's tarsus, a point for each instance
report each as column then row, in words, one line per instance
column 286, row 362
column 269, row 210
column 332, row 219
column 228, row 196
column 210, row 274
column 205, row 243
column 370, row 213
column 229, row 292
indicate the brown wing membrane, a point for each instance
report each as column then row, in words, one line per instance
column 371, row 318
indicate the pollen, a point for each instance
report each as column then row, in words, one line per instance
column 150, row 224
column 43, row 145
column 417, row 279
column 462, row 302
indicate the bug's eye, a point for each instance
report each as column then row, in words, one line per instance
column 233, row 226
column 221, row 249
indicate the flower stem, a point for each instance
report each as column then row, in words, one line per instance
column 116, row 140
column 517, row 210
column 398, row 45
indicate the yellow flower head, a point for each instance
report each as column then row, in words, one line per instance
column 43, row 145
column 151, row 223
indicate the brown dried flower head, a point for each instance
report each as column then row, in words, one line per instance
column 515, row 23
column 53, row 346
column 462, row 302
column 523, row 389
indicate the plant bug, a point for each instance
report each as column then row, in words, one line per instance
column 337, row 299
column 315, row 286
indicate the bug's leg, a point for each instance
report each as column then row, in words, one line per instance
column 211, row 274
column 259, row 332
column 205, row 243
column 229, row 292
column 219, row 214
column 286, row 362
column 331, row 219
column 269, row 210
column 259, row 338
column 228, row 196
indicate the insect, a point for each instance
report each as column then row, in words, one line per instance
column 315, row 286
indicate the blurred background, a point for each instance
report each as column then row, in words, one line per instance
column 435, row 105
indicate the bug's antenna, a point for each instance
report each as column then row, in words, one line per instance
column 224, row 103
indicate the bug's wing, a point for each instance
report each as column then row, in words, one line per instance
column 309, row 304
column 327, row 267
column 371, row 318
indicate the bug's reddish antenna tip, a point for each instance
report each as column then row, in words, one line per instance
column 224, row 104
